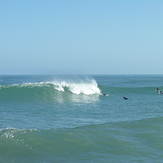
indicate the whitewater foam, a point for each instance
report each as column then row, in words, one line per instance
column 86, row 87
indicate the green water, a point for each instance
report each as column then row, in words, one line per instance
column 48, row 119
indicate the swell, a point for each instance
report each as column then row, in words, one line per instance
column 128, row 90
column 22, row 134
column 110, row 136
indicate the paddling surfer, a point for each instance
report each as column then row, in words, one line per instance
column 125, row 98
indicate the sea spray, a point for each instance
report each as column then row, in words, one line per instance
column 87, row 87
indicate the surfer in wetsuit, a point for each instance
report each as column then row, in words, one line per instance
column 159, row 91
column 105, row 94
column 125, row 98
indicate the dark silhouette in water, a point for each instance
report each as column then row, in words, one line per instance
column 125, row 98
column 159, row 91
column 105, row 94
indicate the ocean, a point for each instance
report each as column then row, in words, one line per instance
column 64, row 118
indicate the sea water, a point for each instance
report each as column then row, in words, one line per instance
column 53, row 119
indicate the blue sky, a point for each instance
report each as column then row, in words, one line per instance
column 81, row 36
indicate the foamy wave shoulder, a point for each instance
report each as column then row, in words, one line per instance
column 11, row 132
column 27, row 85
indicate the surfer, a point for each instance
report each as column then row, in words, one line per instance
column 159, row 91
column 104, row 94
column 125, row 98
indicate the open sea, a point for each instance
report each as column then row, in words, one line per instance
column 67, row 119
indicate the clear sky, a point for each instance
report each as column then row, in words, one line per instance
column 81, row 36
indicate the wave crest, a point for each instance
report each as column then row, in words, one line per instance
column 78, row 87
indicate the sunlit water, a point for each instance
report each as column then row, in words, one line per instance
column 67, row 119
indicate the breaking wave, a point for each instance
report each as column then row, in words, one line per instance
column 77, row 87
column 57, row 89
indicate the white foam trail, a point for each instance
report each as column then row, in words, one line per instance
column 87, row 87
column 28, row 85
